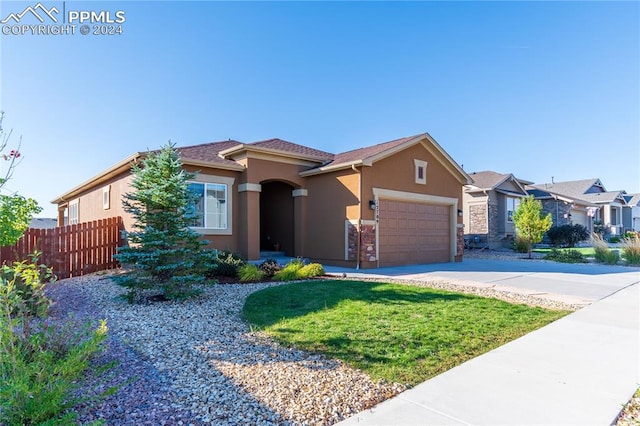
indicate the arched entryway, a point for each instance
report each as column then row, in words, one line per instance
column 277, row 217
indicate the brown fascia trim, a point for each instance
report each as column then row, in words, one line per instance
column 333, row 168
column 232, row 167
column 248, row 148
column 110, row 173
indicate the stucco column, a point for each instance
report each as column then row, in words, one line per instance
column 249, row 229
column 300, row 220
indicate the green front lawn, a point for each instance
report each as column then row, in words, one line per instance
column 586, row 251
column 395, row 332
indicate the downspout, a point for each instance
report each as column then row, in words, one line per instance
column 353, row 166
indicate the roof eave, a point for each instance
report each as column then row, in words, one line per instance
column 248, row 148
column 109, row 173
column 332, row 168
column 224, row 166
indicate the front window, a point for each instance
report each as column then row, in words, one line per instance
column 512, row 206
column 210, row 208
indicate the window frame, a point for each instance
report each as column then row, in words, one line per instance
column 516, row 203
column 228, row 187
column 106, row 197
column 420, row 167
column 73, row 218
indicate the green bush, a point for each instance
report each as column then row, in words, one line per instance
column 270, row 267
column 290, row 271
column 631, row 249
column 520, row 245
column 566, row 256
column 311, row 270
column 39, row 361
column 39, row 374
column 614, row 239
column 228, row 264
column 611, row 257
column 250, row 272
column 567, row 235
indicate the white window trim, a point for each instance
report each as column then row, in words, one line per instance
column 417, row 165
column 74, row 220
column 228, row 203
column 106, row 197
column 506, row 211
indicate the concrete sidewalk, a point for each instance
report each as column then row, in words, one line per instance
column 579, row 370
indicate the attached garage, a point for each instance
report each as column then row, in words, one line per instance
column 580, row 218
column 415, row 228
column 411, row 232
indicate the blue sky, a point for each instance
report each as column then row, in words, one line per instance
column 536, row 89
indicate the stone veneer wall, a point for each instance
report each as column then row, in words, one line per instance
column 478, row 219
column 494, row 232
column 559, row 219
column 367, row 243
column 459, row 242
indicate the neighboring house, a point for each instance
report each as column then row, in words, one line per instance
column 43, row 223
column 389, row 204
column 489, row 203
column 631, row 213
column 582, row 201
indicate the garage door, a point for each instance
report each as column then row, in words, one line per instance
column 411, row 232
column 581, row 218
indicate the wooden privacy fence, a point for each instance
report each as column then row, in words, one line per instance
column 71, row 250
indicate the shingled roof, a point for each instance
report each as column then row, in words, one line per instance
column 488, row 179
column 369, row 151
column 292, row 148
column 574, row 188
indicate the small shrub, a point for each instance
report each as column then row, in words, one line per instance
column 311, row 270
column 520, row 245
column 228, row 264
column 38, row 379
column 566, row 256
column 600, row 247
column 631, row 250
column 290, row 271
column 611, row 257
column 270, row 267
column 614, row 239
column 567, row 235
column 250, row 272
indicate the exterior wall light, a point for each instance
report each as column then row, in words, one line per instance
column 372, row 204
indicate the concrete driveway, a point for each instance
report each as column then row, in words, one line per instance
column 573, row 283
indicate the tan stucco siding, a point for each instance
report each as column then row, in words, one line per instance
column 259, row 170
column 332, row 199
column 91, row 202
column 398, row 173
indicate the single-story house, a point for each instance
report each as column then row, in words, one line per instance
column 582, row 201
column 488, row 205
column 393, row 203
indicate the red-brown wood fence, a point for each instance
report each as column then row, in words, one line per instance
column 71, row 250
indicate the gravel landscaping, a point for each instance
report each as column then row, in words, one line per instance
column 197, row 362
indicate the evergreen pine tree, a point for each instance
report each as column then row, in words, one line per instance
column 163, row 251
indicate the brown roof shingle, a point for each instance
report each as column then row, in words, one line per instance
column 369, row 151
column 292, row 148
column 207, row 152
